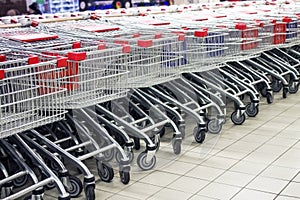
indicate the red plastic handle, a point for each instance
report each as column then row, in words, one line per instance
column 76, row 56
column 2, row 57
column 2, row 74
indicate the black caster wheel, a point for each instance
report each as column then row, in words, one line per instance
column 285, row 92
column 119, row 156
column 214, row 127
column 90, row 192
column 109, row 155
column 105, row 171
column 177, row 146
column 124, row 176
column 199, row 134
column 252, row 110
column 238, row 120
column 276, row 85
column 20, row 181
column 143, row 163
column 137, row 144
column 76, row 187
column 293, row 87
column 270, row 98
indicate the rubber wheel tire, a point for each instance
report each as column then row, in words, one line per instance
column 293, row 87
column 107, row 172
column 264, row 92
column 90, row 192
column 199, row 135
column 76, row 188
column 125, row 177
column 252, row 110
column 119, row 157
column 21, row 181
column 270, row 98
column 109, row 154
column 284, row 92
column 214, row 127
column 143, row 164
column 182, row 131
column 237, row 121
column 177, row 146
column 276, row 85
column 137, row 144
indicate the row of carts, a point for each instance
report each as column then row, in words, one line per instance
column 108, row 89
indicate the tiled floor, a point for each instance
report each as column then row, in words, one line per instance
column 259, row 160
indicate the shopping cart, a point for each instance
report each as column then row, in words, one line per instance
column 151, row 60
column 89, row 79
column 31, row 96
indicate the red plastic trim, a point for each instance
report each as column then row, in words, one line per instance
column 181, row 37
column 126, row 49
column 120, row 42
column 33, row 59
column 2, row 57
column 145, row 43
column 287, row 19
column 200, row 33
column 241, row 26
column 2, row 74
column 101, row 46
column 61, row 61
column 76, row 56
column 135, row 35
column 158, row 35
column 76, row 45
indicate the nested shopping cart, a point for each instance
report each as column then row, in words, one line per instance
column 153, row 58
column 201, row 52
column 90, row 77
column 31, row 96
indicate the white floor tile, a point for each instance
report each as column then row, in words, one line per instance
column 235, row 178
column 114, row 186
column 232, row 154
column 281, row 140
column 259, row 157
column 247, row 194
column 297, row 178
column 248, row 167
column 279, row 172
column 177, row 167
column 267, row 184
column 205, row 173
column 286, row 198
column 241, row 146
column 219, row 191
column 271, row 149
column 199, row 197
column 285, row 161
column 219, row 162
column 290, row 134
column 293, row 153
column 256, row 138
column 293, row 189
column 192, row 157
column 188, row 184
column 140, row 190
column 159, row 178
column 169, row 194
column 119, row 197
